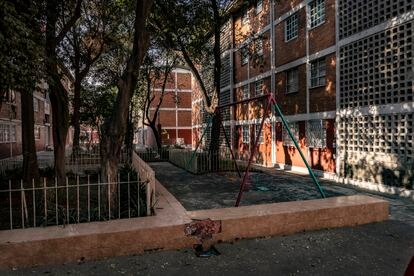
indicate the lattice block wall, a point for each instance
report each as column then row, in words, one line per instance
column 378, row 69
column 358, row 15
column 378, row 148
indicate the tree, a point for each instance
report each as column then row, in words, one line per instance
column 114, row 129
column 56, row 30
column 194, row 29
column 21, row 68
column 155, row 72
column 82, row 47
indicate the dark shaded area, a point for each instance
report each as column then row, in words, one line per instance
column 374, row 249
column 214, row 190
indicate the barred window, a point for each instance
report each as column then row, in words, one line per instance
column 292, row 80
column 37, row 132
column 244, row 55
column 259, row 6
column 294, row 128
column 259, row 47
column 317, row 13
column 245, row 90
column 35, row 105
column 318, row 73
column 7, row 133
column 291, row 27
column 258, row 87
column 246, row 134
column 256, row 133
column 315, row 134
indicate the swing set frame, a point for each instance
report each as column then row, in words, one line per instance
column 270, row 101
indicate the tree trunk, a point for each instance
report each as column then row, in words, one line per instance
column 30, row 166
column 60, row 125
column 76, row 116
column 215, row 128
column 157, row 135
column 114, row 129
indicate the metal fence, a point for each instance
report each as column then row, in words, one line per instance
column 78, row 200
column 202, row 161
column 153, row 154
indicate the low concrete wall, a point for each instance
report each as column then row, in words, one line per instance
column 166, row 230
column 147, row 174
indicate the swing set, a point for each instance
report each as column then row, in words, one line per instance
column 270, row 101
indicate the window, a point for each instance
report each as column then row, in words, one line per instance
column 315, row 134
column 7, row 133
column 244, row 55
column 258, row 87
column 256, row 134
column 292, row 81
column 37, row 132
column 317, row 13
column 245, row 90
column 259, row 6
column 259, row 47
column 291, row 27
column 246, row 134
column 294, row 128
column 35, row 105
column 9, row 97
column 245, row 17
column 318, row 73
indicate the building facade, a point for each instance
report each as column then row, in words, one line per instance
column 11, row 121
column 174, row 114
column 342, row 74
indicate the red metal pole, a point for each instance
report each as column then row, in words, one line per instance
column 253, row 151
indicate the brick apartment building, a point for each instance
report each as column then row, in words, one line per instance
column 342, row 73
column 174, row 115
column 10, row 123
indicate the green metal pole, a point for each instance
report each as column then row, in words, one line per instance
column 199, row 142
column 315, row 180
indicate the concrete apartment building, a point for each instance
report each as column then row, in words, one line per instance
column 10, row 123
column 174, row 115
column 342, row 73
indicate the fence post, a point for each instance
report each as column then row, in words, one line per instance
column 11, row 205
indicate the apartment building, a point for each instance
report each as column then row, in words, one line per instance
column 174, row 114
column 11, row 120
column 341, row 72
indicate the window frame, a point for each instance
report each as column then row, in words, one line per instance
column 261, row 83
column 261, row 137
column 259, row 3
column 315, row 7
column 321, row 135
column 245, row 92
column 8, row 133
column 35, row 104
column 37, row 131
column 244, row 56
column 259, row 51
column 294, row 127
column 288, row 82
column 246, row 131
column 318, row 73
column 290, row 24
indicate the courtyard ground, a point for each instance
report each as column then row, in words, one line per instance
column 375, row 249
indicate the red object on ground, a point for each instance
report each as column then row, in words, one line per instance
column 410, row 269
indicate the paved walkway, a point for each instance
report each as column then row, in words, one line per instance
column 207, row 191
